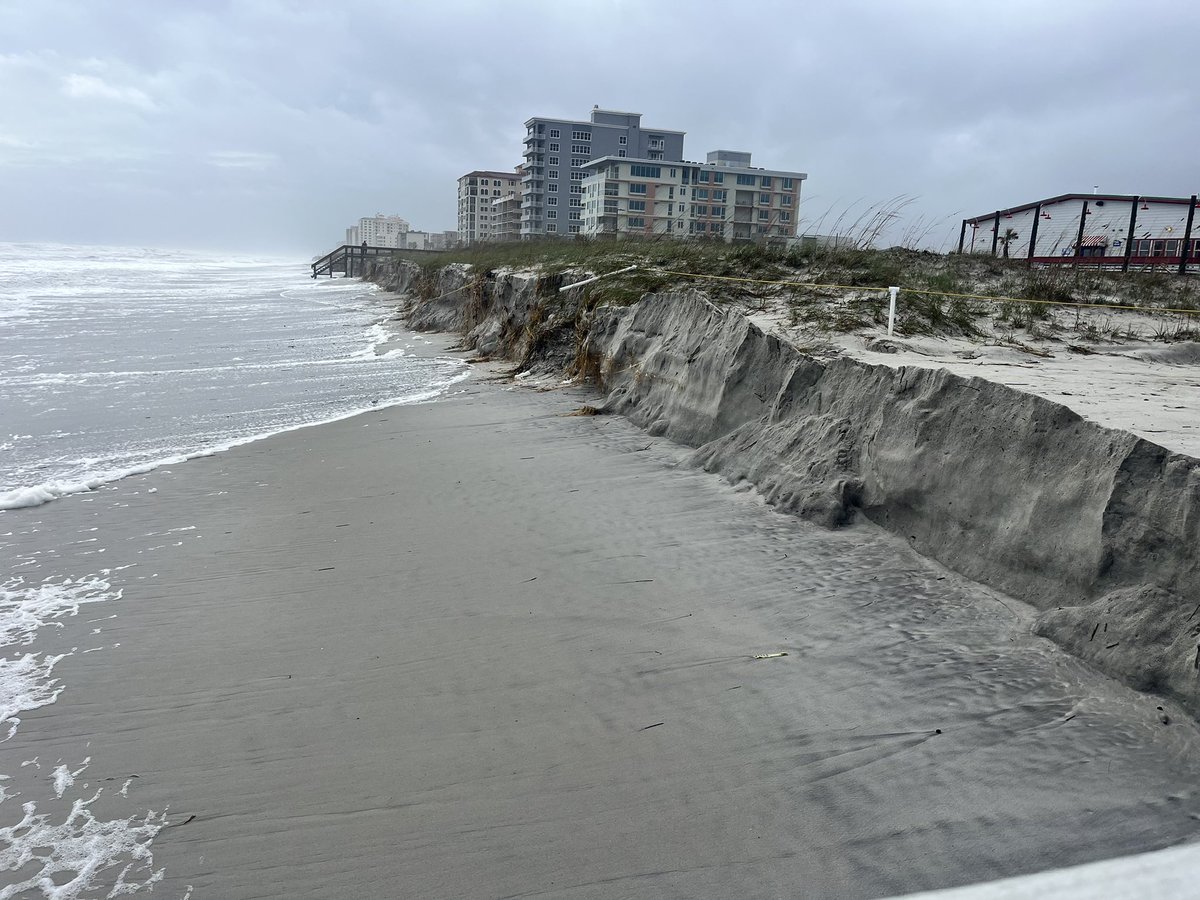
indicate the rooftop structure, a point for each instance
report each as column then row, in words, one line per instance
column 1106, row 230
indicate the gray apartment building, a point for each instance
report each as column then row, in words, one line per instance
column 556, row 151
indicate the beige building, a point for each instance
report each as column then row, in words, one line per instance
column 724, row 198
column 381, row 231
column 477, row 191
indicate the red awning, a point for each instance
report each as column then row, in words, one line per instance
column 1095, row 241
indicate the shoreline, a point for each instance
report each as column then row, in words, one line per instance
column 482, row 647
column 28, row 496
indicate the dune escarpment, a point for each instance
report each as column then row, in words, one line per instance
column 1095, row 527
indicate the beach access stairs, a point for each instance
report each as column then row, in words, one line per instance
column 351, row 259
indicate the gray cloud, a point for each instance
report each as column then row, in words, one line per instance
column 271, row 124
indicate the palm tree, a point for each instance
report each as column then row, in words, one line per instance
column 1010, row 235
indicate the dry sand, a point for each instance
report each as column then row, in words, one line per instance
column 1149, row 388
column 481, row 648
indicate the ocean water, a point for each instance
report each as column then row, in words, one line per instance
column 114, row 362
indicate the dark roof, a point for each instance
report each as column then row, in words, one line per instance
column 1061, row 197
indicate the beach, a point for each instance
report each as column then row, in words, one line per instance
column 482, row 647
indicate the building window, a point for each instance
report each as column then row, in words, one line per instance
column 554, row 173
column 574, row 229
column 552, row 214
column 576, row 201
column 637, row 222
column 719, row 177
column 637, row 171
column 551, row 228
column 574, row 215
column 552, row 187
column 718, row 211
column 577, row 189
column 581, row 135
column 554, row 160
column 764, row 198
column 552, row 201
column 787, row 184
column 764, row 215
column 553, row 132
column 699, row 210
column 637, row 188
column 766, row 181
column 553, row 148
column 703, row 177
column 700, row 193
column 787, row 199
column 745, row 179
column 637, row 205
column 620, row 153
column 623, row 140
column 785, row 216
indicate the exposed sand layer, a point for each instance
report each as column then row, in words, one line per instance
column 1061, row 505
column 482, row 648
column 1146, row 388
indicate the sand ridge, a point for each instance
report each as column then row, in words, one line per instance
column 483, row 648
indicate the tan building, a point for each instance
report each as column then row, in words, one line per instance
column 381, row 231
column 724, row 198
column 477, row 192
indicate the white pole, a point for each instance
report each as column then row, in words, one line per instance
column 567, row 287
column 893, row 291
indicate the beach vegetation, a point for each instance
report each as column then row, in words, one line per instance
column 836, row 286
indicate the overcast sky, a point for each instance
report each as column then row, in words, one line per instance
column 271, row 125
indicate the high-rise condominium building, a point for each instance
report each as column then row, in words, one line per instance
column 381, row 231
column 724, row 198
column 476, row 193
column 556, row 151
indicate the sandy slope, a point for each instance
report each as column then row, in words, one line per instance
column 479, row 648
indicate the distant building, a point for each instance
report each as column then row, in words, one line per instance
column 556, row 151
column 352, row 236
column 506, row 217
column 443, row 240
column 381, row 231
column 1109, row 230
column 724, row 198
column 476, row 192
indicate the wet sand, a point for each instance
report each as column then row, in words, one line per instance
column 482, row 648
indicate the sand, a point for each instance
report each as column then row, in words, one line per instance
column 483, row 648
column 1149, row 388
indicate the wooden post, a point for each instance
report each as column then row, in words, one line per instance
column 1037, row 217
column 1133, row 209
column 1079, row 239
column 996, row 233
column 1187, row 237
column 962, row 236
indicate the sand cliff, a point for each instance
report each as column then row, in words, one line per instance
column 1096, row 527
